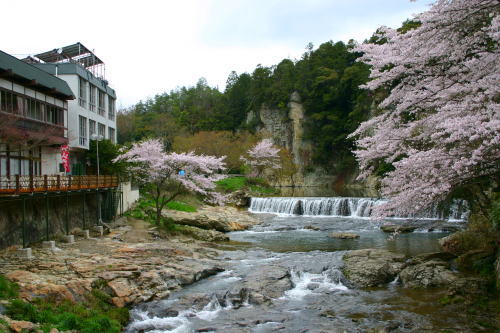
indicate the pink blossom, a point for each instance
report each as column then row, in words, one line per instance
column 440, row 123
column 262, row 156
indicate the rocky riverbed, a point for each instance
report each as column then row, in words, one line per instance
column 289, row 274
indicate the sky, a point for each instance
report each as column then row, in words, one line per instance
column 154, row 46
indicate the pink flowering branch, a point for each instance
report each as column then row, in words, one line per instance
column 440, row 125
column 262, row 156
column 166, row 175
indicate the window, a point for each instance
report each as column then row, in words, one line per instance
column 101, row 130
column 111, row 108
column 34, row 109
column 91, row 128
column 54, row 115
column 92, row 103
column 83, row 131
column 102, row 110
column 111, row 134
column 15, row 160
column 10, row 102
column 82, row 89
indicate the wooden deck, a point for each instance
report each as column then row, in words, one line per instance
column 54, row 183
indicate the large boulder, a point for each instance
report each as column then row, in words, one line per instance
column 372, row 267
column 239, row 198
column 428, row 274
column 205, row 235
column 390, row 227
column 223, row 219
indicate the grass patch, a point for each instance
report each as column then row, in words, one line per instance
column 145, row 205
column 231, row 184
column 95, row 314
column 181, row 206
column 8, row 289
column 256, row 185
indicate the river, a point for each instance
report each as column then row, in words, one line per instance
column 295, row 266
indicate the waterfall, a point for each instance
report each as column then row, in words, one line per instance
column 346, row 207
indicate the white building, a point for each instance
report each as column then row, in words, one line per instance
column 94, row 109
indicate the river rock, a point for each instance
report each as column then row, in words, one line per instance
column 312, row 227
column 432, row 273
column 344, row 235
column 372, row 267
column 239, row 198
column 469, row 286
column 205, row 235
column 19, row 326
column 259, row 287
column 130, row 273
column 223, row 219
column 398, row 228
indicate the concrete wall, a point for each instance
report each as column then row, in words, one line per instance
column 51, row 157
column 130, row 196
column 35, row 225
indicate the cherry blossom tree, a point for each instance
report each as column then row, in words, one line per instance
column 262, row 156
column 166, row 175
column 439, row 126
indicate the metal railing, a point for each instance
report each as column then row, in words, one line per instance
column 53, row 183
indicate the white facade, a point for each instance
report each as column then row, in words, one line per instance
column 79, row 110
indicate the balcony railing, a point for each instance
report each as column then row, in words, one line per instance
column 50, row 183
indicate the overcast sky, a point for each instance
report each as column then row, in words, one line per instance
column 154, row 46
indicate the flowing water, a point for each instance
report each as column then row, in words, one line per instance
column 293, row 244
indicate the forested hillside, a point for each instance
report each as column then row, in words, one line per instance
column 326, row 78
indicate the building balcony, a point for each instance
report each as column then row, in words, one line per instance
column 15, row 185
column 20, row 128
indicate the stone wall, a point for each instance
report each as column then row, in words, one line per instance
column 11, row 216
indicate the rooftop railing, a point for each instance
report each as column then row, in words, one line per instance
column 53, row 183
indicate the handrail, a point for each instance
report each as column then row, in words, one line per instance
column 49, row 183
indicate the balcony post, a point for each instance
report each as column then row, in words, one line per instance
column 46, row 215
column 67, row 213
column 24, row 222
column 83, row 210
column 18, row 184
column 45, row 183
column 58, row 184
column 31, row 183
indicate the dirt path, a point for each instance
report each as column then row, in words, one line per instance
column 139, row 232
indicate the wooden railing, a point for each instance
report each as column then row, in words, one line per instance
column 49, row 183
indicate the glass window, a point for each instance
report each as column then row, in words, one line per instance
column 82, row 91
column 111, row 134
column 111, row 108
column 102, row 130
column 102, row 110
column 92, row 103
column 91, row 128
column 83, row 131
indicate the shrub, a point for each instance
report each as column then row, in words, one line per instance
column 8, row 289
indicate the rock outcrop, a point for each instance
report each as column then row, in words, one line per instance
column 344, row 235
column 223, row 219
column 372, row 267
column 130, row 273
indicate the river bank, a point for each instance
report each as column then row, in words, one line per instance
column 284, row 273
column 133, row 264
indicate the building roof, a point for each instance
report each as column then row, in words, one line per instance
column 71, row 68
column 72, row 53
column 35, row 78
